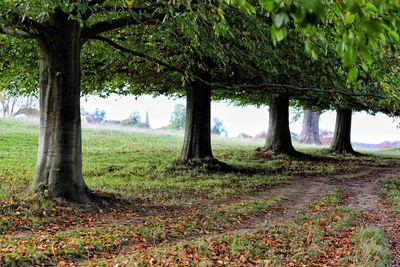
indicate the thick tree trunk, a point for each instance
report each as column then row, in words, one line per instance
column 341, row 143
column 310, row 131
column 278, row 135
column 59, row 162
column 197, row 140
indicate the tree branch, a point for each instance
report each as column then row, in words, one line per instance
column 231, row 87
column 136, row 53
column 114, row 24
column 16, row 33
column 293, row 88
column 24, row 27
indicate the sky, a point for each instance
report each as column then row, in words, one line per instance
column 250, row 119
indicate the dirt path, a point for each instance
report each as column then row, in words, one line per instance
column 302, row 192
column 361, row 191
column 363, row 195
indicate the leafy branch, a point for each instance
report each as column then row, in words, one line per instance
column 227, row 86
column 105, row 26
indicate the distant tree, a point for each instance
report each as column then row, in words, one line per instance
column 178, row 117
column 218, row 127
column 135, row 117
column 15, row 102
column 310, row 131
column 99, row 115
column 8, row 100
column 244, row 135
column 147, row 121
column 134, row 120
column 261, row 135
column 295, row 137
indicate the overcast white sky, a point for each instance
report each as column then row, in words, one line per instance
column 250, row 120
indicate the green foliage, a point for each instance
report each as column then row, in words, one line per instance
column 361, row 27
column 218, row 127
column 18, row 66
column 229, row 47
column 99, row 115
column 178, row 117
column 134, row 120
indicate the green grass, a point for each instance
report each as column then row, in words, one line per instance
column 391, row 192
column 139, row 165
column 168, row 202
column 389, row 153
column 371, row 248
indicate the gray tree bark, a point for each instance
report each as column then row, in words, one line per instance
column 197, row 140
column 59, row 161
column 341, row 142
column 310, row 131
column 278, row 136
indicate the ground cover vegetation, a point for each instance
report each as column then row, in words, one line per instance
column 160, row 214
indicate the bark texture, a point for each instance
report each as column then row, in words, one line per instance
column 278, row 135
column 310, row 131
column 59, row 162
column 341, row 142
column 197, row 140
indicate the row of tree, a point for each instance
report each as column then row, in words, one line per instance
column 315, row 54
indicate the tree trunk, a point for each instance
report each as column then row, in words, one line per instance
column 5, row 108
column 197, row 140
column 13, row 102
column 310, row 131
column 341, row 143
column 278, row 135
column 59, row 162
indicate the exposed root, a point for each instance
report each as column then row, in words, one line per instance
column 268, row 153
column 208, row 164
column 346, row 152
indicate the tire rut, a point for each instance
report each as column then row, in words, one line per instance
column 363, row 195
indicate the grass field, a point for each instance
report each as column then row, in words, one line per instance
column 139, row 165
column 169, row 215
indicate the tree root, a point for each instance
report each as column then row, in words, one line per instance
column 346, row 152
column 268, row 153
column 207, row 164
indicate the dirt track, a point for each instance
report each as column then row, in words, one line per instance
column 360, row 191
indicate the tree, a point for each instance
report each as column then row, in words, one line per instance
column 99, row 115
column 191, row 58
column 135, row 120
column 8, row 100
column 310, row 130
column 147, row 120
column 210, row 62
column 61, row 29
column 197, row 140
column 218, row 127
column 178, row 117
column 68, row 33
column 279, row 139
column 341, row 142
column 135, row 117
